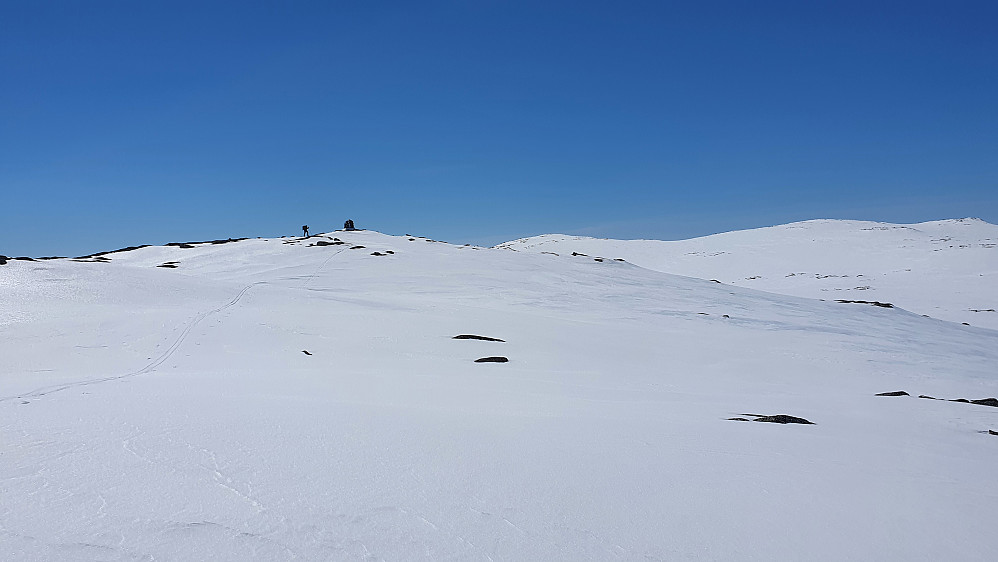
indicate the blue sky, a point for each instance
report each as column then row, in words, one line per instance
column 127, row 123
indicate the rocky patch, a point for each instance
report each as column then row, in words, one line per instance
column 474, row 337
column 783, row 418
column 778, row 418
column 356, row 247
column 169, row 264
column 874, row 303
column 492, row 360
column 98, row 254
column 895, row 393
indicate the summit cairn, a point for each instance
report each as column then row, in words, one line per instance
column 348, row 225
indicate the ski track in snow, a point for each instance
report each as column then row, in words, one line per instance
column 148, row 368
column 162, row 358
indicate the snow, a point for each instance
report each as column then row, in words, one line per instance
column 150, row 413
column 945, row 269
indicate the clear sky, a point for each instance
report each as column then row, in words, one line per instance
column 125, row 123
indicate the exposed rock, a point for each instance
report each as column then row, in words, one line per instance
column 895, row 393
column 964, row 400
column 578, row 254
column 986, row 402
column 783, row 418
column 169, row 264
column 378, row 254
column 3, row 260
column 597, row 259
column 874, row 303
column 324, row 243
column 928, row 397
column 492, row 360
column 184, row 245
column 25, row 258
column 474, row 337
column 305, row 351
column 715, row 280
column 128, row 249
column 738, row 419
column 356, row 247
column 389, row 252
column 992, row 432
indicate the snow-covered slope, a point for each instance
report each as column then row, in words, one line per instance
column 157, row 413
column 946, row 269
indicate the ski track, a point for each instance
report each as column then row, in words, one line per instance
column 148, row 368
column 151, row 366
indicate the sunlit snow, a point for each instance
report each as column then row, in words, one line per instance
column 275, row 399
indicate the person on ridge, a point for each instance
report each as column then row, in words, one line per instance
column 304, row 231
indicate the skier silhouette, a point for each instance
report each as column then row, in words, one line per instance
column 304, row 231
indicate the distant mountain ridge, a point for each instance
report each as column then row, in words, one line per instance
column 946, row 269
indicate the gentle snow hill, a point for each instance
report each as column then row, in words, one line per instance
column 150, row 412
column 946, row 269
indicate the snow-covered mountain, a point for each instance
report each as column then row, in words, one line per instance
column 945, row 269
column 290, row 399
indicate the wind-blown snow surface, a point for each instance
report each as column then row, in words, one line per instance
column 150, row 413
column 945, row 269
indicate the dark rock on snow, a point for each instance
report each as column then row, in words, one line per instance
column 928, row 397
column 128, row 249
column 492, row 360
column 474, row 337
column 986, row 402
column 895, row 393
column 305, row 352
column 783, row 418
column 874, row 303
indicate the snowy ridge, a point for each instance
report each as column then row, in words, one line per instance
column 305, row 399
column 945, row 269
